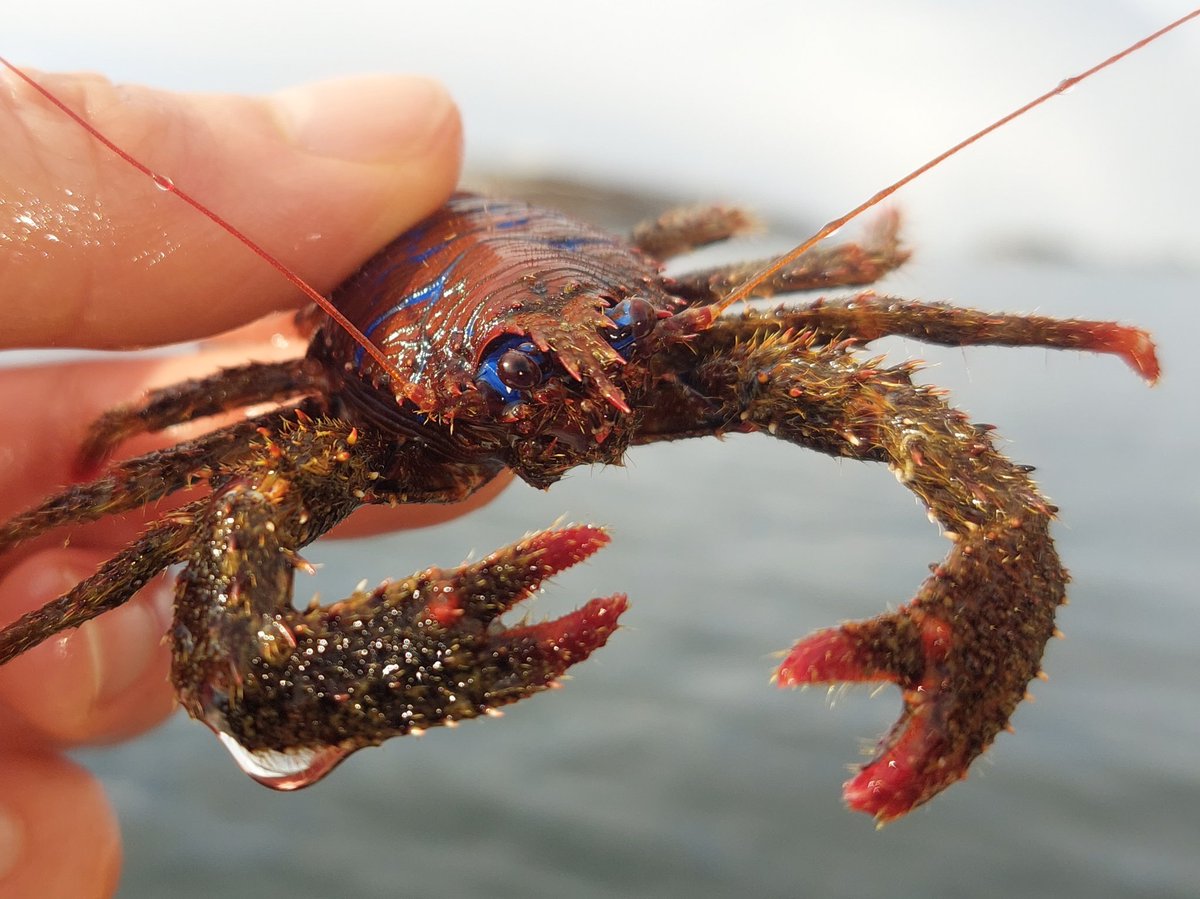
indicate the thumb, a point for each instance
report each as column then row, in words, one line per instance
column 96, row 256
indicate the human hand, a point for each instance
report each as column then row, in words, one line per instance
column 94, row 256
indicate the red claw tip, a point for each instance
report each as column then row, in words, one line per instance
column 562, row 548
column 826, row 657
column 920, row 756
column 1132, row 344
column 901, row 777
column 573, row 637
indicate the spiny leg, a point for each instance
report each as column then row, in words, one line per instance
column 138, row 481
column 291, row 693
column 231, row 388
column 841, row 265
column 113, row 583
column 867, row 317
column 965, row 648
column 686, row 228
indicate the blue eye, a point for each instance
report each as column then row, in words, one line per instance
column 632, row 320
column 511, row 366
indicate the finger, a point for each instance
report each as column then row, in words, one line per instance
column 279, row 331
column 58, row 835
column 103, row 681
column 97, row 256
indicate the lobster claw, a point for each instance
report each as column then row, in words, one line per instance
column 409, row 655
column 962, row 653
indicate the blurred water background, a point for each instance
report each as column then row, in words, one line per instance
column 668, row 766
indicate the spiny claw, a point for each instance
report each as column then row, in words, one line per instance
column 405, row 657
column 525, row 658
column 916, row 759
column 543, row 652
column 962, row 654
column 481, row 591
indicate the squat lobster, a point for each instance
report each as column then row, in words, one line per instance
column 518, row 338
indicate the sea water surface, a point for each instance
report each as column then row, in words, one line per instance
column 669, row 766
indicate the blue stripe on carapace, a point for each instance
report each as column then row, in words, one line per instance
column 418, row 258
column 571, row 244
column 429, row 293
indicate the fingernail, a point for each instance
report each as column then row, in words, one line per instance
column 12, row 841
column 368, row 119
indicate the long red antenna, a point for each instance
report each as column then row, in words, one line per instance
column 747, row 287
column 168, row 185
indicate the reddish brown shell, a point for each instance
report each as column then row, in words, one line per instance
column 478, row 268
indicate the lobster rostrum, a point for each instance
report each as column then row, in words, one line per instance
column 518, row 338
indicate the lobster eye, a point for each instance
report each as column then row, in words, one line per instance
column 518, row 370
column 632, row 320
column 511, row 364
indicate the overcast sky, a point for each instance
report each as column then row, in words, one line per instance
column 797, row 108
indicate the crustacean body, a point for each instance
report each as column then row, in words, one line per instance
column 517, row 338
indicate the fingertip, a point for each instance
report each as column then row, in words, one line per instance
column 375, row 155
column 374, row 119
